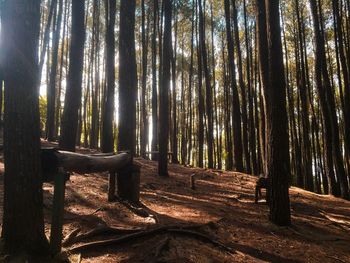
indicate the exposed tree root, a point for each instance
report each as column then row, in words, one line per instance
column 163, row 245
column 180, row 230
column 140, row 210
column 344, row 225
column 203, row 238
column 71, row 237
column 335, row 258
column 307, row 237
column 99, row 231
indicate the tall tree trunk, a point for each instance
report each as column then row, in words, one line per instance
column 72, row 100
column 263, row 69
column 332, row 149
column 144, row 121
column 227, row 116
column 154, row 145
column 45, row 40
column 108, row 116
column 251, row 124
column 164, row 89
column 216, row 90
column 243, row 90
column 236, row 114
column 305, row 104
column 63, row 56
column 346, row 73
column 190, row 87
column 278, row 166
column 23, row 220
column 127, row 77
column 208, row 88
column 51, row 90
column 200, row 127
column 174, row 138
column 95, row 81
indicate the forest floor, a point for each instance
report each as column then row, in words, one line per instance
column 223, row 202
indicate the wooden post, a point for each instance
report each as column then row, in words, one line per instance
column 57, row 211
column 129, row 183
column 192, row 182
column 111, row 187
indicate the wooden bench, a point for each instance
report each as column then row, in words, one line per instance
column 56, row 166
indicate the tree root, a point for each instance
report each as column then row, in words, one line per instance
column 164, row 244
column 307, row 237
column 140, row 210
column 203, row 238
column 335, row 258
column 98, row 231
column 180, row 230
column 70, row 237
column 337, row 222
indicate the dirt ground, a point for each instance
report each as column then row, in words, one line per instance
column 320, row 230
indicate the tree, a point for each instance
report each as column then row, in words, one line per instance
column 108, row 115
column 51, row 89
column 243, row 91
column 277, row 154
column 208, row 88
column 164, row 89
column 23, row 221
column 236, row 114
column 327, row 101
column 127, row 77
column 72, row 102
column 144, row 121
column 154, row 144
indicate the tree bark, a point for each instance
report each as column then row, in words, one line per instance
column 51, row 90
column 208, row 88
column 108, row 116
column 278, row 166
column 164, row 89
column 127, row 77
column 332, row 149
column 72, row 100
column 236, row 114
column 154, row 145
column 243, row 91
column 23, row 221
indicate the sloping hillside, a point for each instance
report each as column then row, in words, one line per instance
column 223, row 202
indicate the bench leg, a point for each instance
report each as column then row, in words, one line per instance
column 57, row 212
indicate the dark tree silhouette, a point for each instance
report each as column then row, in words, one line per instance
column 127, row 77
column 164, row 89
column 277, row 154
column 51, row 89
column 23, row 222
column 108, row 116
column 72, row 102
column 236, row 113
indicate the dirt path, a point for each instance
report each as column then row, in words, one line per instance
column 320, row 231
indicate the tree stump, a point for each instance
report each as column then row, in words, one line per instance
column 128, row 183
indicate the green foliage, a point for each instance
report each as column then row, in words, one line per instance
column 42, row 110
